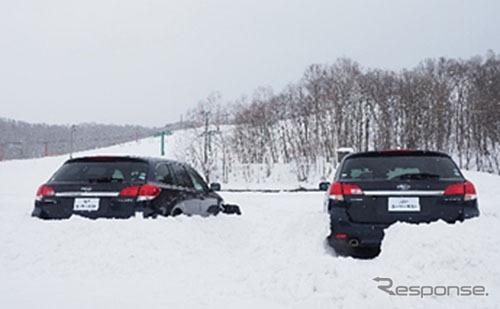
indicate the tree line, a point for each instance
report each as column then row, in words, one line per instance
column 22, row 140
column 449, row 105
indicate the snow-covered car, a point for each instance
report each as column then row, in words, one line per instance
column 120, row 187
column 373, row 190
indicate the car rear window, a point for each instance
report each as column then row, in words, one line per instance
column 102, row 172
column 399, row 167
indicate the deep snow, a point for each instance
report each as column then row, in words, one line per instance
column 274, row 256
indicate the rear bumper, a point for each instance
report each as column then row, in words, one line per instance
column 366, row 234
column 470, row 212
column 371, row 234
column 61, row 209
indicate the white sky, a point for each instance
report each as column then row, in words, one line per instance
column 147, row 61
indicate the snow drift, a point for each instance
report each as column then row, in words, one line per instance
column 274, row 256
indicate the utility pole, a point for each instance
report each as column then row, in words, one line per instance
column 206, row 136
column 72, row 131
column 45, row 149
column 162, row 144
column 1, row 153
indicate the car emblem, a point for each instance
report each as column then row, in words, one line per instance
column 86, row 189
column 403, row 187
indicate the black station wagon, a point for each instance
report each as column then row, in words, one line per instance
column 373, row 190
column 121, row 187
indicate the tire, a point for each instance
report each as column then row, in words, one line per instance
column 213, row 210
column 177, row 212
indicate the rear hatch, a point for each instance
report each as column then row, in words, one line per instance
column 93, row 184
column 401, row 187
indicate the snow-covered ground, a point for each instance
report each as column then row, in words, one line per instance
column 274, row 256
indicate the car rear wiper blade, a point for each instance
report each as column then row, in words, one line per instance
column 105, row 179
column 417, row 176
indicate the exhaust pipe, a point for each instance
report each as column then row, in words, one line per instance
column 353, row 242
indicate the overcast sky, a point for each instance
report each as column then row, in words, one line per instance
column 147, row 61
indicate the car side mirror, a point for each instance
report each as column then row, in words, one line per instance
column 324, row 186
column 215, row 186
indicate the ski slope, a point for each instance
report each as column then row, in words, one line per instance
column 273, row 256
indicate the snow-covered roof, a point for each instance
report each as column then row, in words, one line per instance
column 345, row 149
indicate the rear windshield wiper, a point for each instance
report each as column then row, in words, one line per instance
column 417, row 176
column 105, row 179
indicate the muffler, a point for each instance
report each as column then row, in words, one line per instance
column 353, row 242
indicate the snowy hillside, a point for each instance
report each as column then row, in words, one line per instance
column 273, row 256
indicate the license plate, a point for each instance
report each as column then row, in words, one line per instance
column 86, row 204
column 404, row 204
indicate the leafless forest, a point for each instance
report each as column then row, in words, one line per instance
column 22, row 140
column 450, row 105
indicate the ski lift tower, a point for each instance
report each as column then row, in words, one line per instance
column 163, row 134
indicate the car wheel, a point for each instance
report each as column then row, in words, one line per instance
column 213, row 210
column 176, row 212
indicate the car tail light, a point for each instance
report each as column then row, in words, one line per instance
column 455, row 189
column 470, row 191
column 349, row 189
column 148, row 192
column 466, row 189
column 341, row 236
column 45, row 191
column 338, row 190
column 131, row 191
column 143, row 193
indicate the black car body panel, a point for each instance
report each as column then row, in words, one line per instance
column 394, row 186
column 96, row 187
